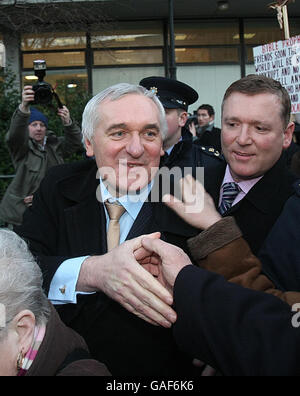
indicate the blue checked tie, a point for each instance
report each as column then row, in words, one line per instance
column 230, row 192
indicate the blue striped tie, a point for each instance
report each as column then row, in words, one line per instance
column 230, row 192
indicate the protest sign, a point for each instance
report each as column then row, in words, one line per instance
column 281, row 61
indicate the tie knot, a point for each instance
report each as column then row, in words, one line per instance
column 230, row 192
column 115, row 211
column 231, row 188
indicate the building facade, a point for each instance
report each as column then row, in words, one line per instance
column 211, row 51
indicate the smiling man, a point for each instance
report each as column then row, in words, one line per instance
column 85, row 241
column 127, row 146
column 256, row 129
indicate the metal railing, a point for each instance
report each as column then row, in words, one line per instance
column 7, row 176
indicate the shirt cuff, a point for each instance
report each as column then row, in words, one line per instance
column 63, row 286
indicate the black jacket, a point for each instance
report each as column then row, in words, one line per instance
column 67, row 221
column 211, row 139
column 186, row 154
column 236, row 330
column 257, row 212
column 280, row 255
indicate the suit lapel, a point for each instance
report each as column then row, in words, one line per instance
column 145, row 223
column 266, row 192
column 85, row 224
column 84, row 218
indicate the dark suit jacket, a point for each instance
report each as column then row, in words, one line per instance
column 260, row 208
column 280, row 255
column 236, row 330
column 67, row 221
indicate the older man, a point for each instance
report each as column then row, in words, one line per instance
column 254, row 184
column 89, row 279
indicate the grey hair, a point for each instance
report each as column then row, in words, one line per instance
column 91, row 116
column 20, row 281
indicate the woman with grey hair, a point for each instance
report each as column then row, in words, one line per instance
column 33, row 340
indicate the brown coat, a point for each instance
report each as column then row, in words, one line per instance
column 58, row 345
column 221, row 249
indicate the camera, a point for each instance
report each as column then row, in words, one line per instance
column 192, row 119
column 43, row 91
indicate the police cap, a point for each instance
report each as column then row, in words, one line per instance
column 172, row 93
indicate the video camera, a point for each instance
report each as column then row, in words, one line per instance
column 43, row 91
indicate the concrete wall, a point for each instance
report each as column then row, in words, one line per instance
column 104, row 78
column 210, row 82
column 12, row 45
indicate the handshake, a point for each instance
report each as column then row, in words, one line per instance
column 162, row 260
column 140, row 274
column 152, row 275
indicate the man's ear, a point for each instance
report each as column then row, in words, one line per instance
column 288, row 135
column 89, row 148
column 24, row 325
column 183, row 118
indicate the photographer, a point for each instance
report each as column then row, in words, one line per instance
column 34, row 149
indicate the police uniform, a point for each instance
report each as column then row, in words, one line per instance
column 174, row 94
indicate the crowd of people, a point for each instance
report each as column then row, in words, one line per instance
column 203, row 280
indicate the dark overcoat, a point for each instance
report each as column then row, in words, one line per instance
column 257, row 212
column 280, row 255
column 66, row 221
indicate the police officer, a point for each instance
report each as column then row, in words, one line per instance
column 179, row 148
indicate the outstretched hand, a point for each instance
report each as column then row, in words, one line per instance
column 162, row 260
column 27, row 98
column 120, row 276
column 64, row 114
column 196, row 206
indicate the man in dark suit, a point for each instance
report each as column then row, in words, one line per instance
column 123, row 313
column 254, row 184
column 238, row 331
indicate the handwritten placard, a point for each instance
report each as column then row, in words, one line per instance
column 281, row 61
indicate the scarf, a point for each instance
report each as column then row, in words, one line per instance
column 39, row 334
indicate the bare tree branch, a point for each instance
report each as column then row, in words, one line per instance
column 34, row 18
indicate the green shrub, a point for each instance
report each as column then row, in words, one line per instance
column 9, row 99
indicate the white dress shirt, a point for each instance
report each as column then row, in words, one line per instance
column 63, row 286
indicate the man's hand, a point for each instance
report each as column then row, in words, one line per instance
column 171, row 261
column 28, row 200
column 122, row 278
column 64, row 114
column 196, row 207
column 27, row 98
column 192, row 129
